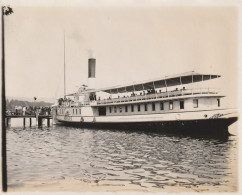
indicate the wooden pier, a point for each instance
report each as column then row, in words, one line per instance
column 39, row 119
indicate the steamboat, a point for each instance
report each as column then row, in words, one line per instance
column 170, row 103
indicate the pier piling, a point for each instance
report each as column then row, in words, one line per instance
column 8, row 122
column 24, row 121
column 39, row 122
column 48, row 122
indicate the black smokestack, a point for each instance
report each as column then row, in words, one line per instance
column 91, row 67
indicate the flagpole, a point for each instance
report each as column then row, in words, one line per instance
column 64, row 66
column 6, row 10
column 4, row 149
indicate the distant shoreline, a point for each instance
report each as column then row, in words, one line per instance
column 39, row 99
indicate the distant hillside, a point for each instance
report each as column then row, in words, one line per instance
column 10, row 104
column 39, row 99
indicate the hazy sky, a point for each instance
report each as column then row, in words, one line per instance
column 130, row 43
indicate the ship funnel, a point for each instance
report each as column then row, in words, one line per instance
column 91, row 73
column 91, row 67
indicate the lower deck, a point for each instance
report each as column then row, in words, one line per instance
column 149, row 118
column 145, row 108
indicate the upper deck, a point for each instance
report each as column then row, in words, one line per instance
column 163, row 96
column 182, row 93
column 148, row 91
column 163, row 82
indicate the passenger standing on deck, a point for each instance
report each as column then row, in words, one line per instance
column 16, row 110
column 24, row 110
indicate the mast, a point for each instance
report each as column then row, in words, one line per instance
column 64, row 67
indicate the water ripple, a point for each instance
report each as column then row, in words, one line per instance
column 148, row 160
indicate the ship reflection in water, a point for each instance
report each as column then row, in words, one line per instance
column 145, row 160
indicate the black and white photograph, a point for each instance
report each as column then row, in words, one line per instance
column 120, row 96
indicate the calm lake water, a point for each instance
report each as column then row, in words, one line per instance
column 145, row 160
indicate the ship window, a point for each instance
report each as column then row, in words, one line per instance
column 115, row 109
column 195, row 103
column 120, row 109
column 171, row 105
column 110, row 109
column 153, row 106
column 218, row 101
column 138, row 107
column 132, row 108
column 146, row 107
column 102, row 111
column 161, row 106
column 126, row 108
column 182, row 104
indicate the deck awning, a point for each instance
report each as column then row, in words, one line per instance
column 168, row 81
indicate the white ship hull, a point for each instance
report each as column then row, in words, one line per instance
column 165, row 104
column 196, row 121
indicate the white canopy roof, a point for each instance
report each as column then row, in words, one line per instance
column 167, row 81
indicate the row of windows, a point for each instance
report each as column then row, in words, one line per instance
column 74, row 111
column 161, row 107
column 61, row 111
column 114, row 108
column 182, row 106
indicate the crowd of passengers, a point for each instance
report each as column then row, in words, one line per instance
column 29, row 110
column 149, row 92
column 63, row 100
column 93, row 97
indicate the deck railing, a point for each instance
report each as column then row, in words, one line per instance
column 159, row 95
column 182, row 92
